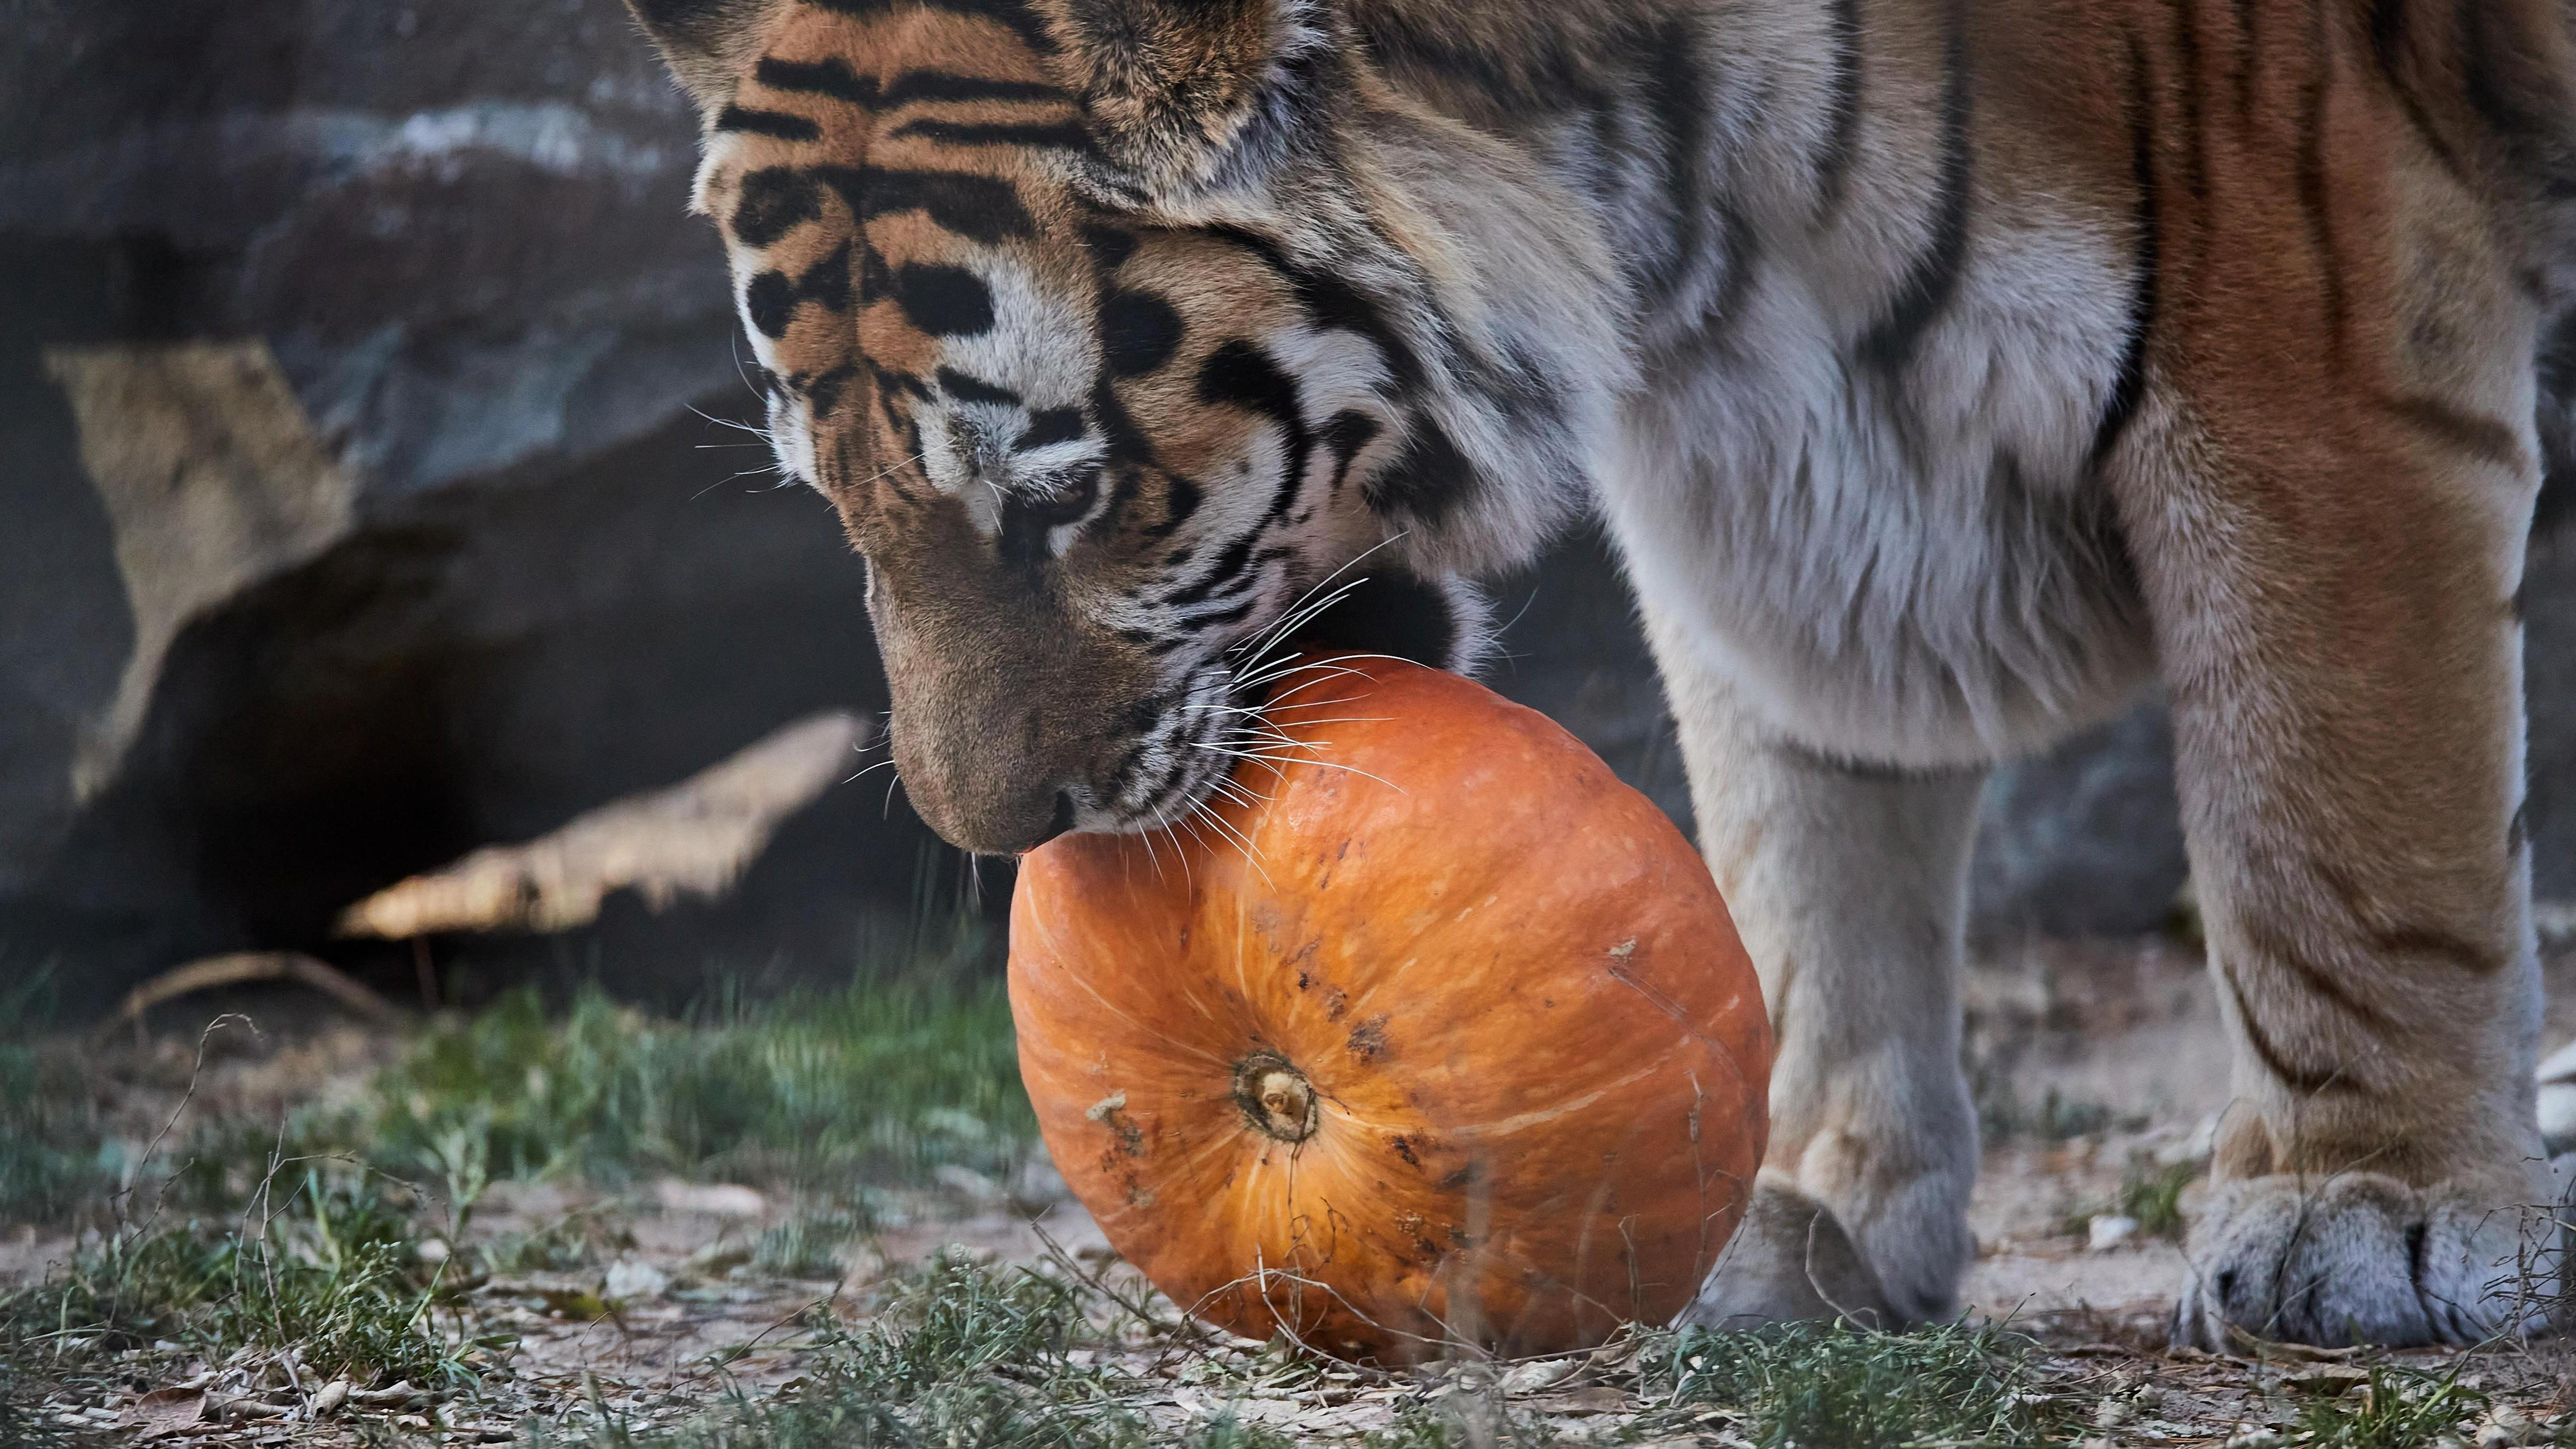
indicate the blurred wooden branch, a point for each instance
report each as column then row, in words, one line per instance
column 693, row 839
column 242, row 967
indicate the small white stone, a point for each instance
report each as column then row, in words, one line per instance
column 1529, row 1378
column 2507, row 1427
column 716, row 1199
column 2107, row 1231
column 630, row 1278
column 432, row 1251
column 966, row 1182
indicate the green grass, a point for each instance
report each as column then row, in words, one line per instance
column 828, row 1092
column 2153, row 1195
column 956, row 1355
column 52, row 1156
column 582, row 1238
column 963, row 1355
column 1460, row 1421
column 1820, row 1384
column 909, row 1068
column 2003, row 1116
column 324, row 1261
column 807, row 1245
column 24, row 1424
column 307, row 1233
column 2394, row 1409
column 49, row 1148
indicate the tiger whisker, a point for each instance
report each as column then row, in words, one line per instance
column 1260, row 711
column 1229, row 788
column 728, row 478
column 1297, row 613
column 1277, row 704
column 889, row 468
column 1341, row 719
column 1147, row 837
column 1272, row 739
column 1189, row 823
column 755, row 429
column 1233, row 792
column 1324, row 765
column 1295, row 618
column 1329, row 661
column 1333, row 668
column 1251, row 853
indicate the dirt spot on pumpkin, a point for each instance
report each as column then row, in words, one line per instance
column 1418, row 1228
column 1404, row 1150
column 1111, row 1112
column 1337, row 1004
column 1340, row 853
column 1368, row 1039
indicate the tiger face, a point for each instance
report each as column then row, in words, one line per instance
column 1097, row 418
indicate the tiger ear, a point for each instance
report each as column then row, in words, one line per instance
column 1191, row 96
column 707, row 43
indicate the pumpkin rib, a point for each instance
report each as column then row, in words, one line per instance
column 1140, row 1026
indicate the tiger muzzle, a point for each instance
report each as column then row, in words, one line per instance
column 1001, row 717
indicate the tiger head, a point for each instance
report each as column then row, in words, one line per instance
column 1115, row 329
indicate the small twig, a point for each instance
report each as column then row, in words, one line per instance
column 1191, row 1331
column 127, row 1231
column 722, row 1360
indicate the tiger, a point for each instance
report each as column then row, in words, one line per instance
column 1945, row 374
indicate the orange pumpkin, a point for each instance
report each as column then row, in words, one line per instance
column 1440, row 1035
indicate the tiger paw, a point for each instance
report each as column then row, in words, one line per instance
column 1789, row 1260
column 2362, row 1258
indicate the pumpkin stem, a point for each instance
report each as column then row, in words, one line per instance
column 1276, row 1098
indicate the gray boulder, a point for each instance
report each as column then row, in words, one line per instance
column 356, row 512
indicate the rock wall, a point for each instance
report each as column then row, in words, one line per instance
column 356, row 514
column 359, row 511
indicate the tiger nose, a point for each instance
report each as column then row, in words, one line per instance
column 1061, row 823
column 1014, row 825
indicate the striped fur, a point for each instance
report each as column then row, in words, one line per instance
column 1944, row 369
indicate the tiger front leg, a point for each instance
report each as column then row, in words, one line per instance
column 2337, row 623
column 1849, row 888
